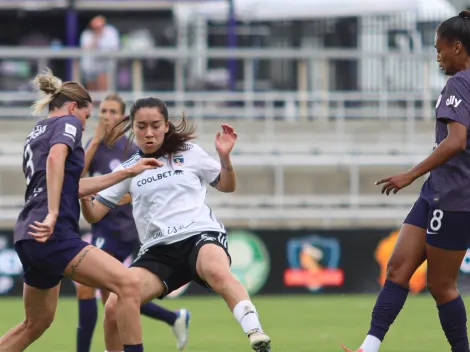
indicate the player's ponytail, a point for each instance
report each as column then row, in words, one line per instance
column 120, row 129
column 465, row 14
column 48, row 84
column 56, row 93
column 177, row 136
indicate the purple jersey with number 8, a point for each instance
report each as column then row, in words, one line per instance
column 448, row 186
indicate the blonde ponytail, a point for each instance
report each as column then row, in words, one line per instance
column 48, row 84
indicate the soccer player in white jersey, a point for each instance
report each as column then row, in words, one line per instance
column 182, row 240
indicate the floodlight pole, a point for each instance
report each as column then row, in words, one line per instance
column 232, row 44
column 71, row 31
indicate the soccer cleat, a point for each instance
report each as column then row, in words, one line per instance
column 180, row 328
column 350, row 350
column 260, row 342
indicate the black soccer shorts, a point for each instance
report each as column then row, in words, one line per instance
column 175, row 264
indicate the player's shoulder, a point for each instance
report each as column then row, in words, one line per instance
column 131, row 161
column 191, row 148
column 461, row 80
column 69, row 122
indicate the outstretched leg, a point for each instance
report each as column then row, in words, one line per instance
column 151, row 287
column 213, row 267
column 114, row 277
column 40, row 307
column 408, row 255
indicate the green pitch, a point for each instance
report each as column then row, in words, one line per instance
column 295, row 323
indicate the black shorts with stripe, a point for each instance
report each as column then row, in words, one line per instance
column 175, row 264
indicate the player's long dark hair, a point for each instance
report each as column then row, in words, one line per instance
column 457, row 28
column 176, row 137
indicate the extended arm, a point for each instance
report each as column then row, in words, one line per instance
column 227, row 179
column 454, row 143
column 92, row 210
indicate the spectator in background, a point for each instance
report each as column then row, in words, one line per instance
column 99, row 36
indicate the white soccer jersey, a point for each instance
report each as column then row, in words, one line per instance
column 169, row 201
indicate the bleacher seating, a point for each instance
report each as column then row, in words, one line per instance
column 304, row 173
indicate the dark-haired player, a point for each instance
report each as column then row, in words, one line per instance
column 116, row 233
column 437, row 227
column 46, row 235
column 182, row 240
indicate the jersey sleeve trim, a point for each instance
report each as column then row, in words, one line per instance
column 131, row 161
column 105, row 202
column 216, row 181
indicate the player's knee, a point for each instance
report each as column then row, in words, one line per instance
column 398, row 273
column 442, row 290
column 216, row 277
column 36, row 327
column 129, row 287
column 110, row 317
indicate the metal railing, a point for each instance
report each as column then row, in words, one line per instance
column 264, row 207
column 300, row 105
column 351, row 206
column 308, row 103
column 312, row 66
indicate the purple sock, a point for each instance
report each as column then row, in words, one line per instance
column 134, row 348
column 454, row 323
column 387, row 307
column 154, row 311
column 87, row 316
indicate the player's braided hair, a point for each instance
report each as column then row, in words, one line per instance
column 457, row 28
column 176, row 137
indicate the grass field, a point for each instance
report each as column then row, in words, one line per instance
column 295, row 323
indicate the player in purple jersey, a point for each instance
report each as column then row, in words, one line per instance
column 437, row 227
column 46, row 235
column 116, row 233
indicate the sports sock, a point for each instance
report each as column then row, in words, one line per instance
column 154, row 311
column 134, row 348
column 87, row 316
column 453, row 319
column 246, row 315
column 389, row 303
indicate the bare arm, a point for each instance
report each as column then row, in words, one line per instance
column 224, row 143
column 227, row 179
column 92, row 185
column 454, row 143
column 93, row 211
column 55, row 169
column 100, row 132
column 89, row 154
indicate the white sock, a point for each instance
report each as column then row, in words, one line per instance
column 246, row 315
column 371, row 344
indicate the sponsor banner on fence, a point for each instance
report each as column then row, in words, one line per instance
column 282, row 262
